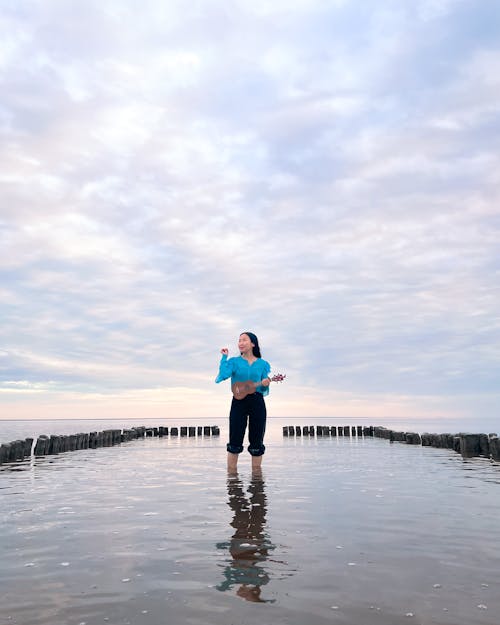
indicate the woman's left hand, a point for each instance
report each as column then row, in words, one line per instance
column 266, row 382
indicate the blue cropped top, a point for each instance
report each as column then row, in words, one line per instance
column 240, row 370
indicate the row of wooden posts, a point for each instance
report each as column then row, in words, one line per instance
column 469, row 445
column 57, row 443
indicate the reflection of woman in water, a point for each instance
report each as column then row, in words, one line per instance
column 249, row 546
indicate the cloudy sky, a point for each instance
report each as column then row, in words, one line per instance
column 325, row 173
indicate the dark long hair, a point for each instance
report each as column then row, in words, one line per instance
column 255, row 341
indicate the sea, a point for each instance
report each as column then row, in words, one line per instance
column 346, row 530
column 19, row 429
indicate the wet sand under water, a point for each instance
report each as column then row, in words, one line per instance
column 338, row 531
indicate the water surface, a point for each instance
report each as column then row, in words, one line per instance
column 347, row 531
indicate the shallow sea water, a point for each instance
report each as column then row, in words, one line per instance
column 343, row 531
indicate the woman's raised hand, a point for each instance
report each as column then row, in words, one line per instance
column 224, row 351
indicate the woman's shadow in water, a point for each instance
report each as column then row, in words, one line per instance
column 249, row 546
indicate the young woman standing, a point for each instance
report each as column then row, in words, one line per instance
column 248, row 366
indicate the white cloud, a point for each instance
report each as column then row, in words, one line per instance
column 174, row 175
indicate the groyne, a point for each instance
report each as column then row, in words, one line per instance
column 44, row 445
column 464, row 443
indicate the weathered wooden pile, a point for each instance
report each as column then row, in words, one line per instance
column 469, row 445
column 58, row 443
column 326, row 430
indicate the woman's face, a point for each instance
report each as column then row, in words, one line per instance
column 245, row 345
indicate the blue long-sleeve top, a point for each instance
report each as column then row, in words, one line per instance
column 240, row 370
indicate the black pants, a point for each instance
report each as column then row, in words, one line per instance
column 251, row 408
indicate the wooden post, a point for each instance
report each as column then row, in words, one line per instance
column 484, row 445
column 470, row 445
column 41, row 446
column 28, row 446
column 16, row 450
column 412, row 438
column 495, row 448
column 54, row 444
column 4, row 452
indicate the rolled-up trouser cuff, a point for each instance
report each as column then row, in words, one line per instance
column 234, row 449
column 257, row 451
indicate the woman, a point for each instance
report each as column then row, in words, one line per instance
column 247, row 366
